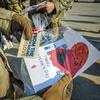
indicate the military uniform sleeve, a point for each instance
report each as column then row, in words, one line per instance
column 5, row 20
column 14, row 5
column 60, row 6
column 66, row 4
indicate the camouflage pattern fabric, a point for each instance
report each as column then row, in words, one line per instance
column 11, row 22
column 5, row 20
column 4, row 76
column 14, row 5
column 60, row 5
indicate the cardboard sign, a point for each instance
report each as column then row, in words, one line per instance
column 29, row 48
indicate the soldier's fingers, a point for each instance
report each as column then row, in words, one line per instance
column 40, row 7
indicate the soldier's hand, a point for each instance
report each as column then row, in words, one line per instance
column 48, row 7
column 20, row 22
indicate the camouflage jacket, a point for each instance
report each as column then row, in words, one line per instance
column 17, row 5
column 60, row 6
column 6, row 15
column 5, row 20
column 14, row 5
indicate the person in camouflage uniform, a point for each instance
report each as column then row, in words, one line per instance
column 13, row 22
column 62, row 89
column 57, row 9
column 14, row 5
column 10, row 23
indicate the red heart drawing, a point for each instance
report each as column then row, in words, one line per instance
column 70, row 60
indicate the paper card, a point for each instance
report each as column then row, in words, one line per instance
column 29, row 48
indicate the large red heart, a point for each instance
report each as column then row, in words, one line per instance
column 72, row 60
